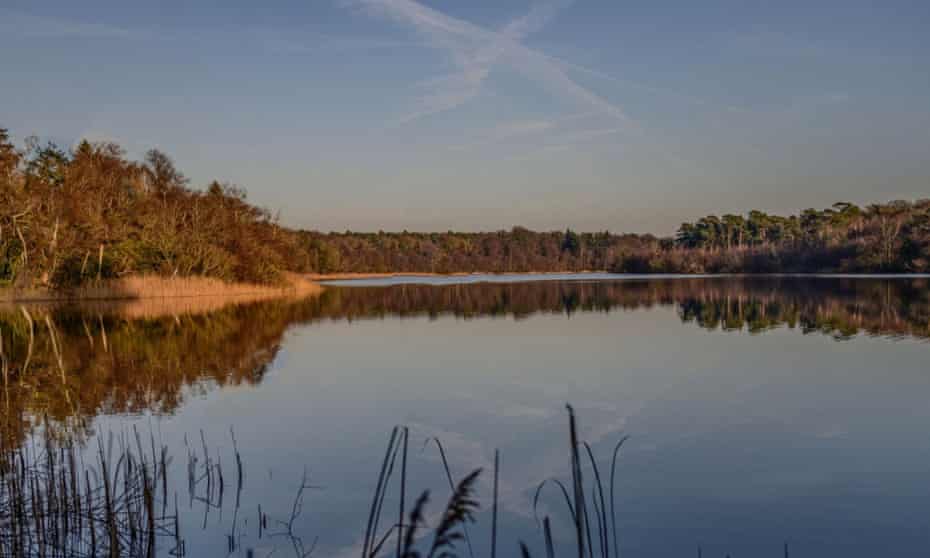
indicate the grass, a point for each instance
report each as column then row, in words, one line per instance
column 597, row 538
column 139, row 287
column 53, row 504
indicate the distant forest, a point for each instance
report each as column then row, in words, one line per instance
column 73, row 216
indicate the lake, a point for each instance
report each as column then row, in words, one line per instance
column 759, row 410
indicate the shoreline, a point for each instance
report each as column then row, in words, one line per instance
column 136, row 288
column 351, row 276
column 141, row 288
column 322, row 278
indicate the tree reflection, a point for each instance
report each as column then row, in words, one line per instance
column 61, row 366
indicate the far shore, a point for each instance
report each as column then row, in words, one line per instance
column 322, row 277
column 145, row 288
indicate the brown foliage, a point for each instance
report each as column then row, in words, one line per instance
column 70, row 218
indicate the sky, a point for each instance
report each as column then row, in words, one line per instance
column 481, row 115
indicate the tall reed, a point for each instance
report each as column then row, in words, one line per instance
column 53, row 504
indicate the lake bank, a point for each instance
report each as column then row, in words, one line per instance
column 349, row 276
column 156, row 291
column 388, row 279
column 153, row 287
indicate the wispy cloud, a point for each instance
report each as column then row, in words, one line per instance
column 475, row 51
column 520, row 128
column 628, row 82
column 574, row 138
column 31, row 26
column 272, row 41
column 564, row 131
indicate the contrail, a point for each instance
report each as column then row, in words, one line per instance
column 476, row 50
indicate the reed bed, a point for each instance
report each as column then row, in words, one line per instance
column 462, row 507
column 54, row 505
column 592, row 512
column 138, row 287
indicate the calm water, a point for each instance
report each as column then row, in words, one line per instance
column 760, row 410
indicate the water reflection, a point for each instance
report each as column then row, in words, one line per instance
column 739, row 441
column 839, row 307
column 71, row 363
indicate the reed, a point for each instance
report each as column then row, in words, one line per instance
column 605, row 531
column 137, row 287
column 53, row 504
column 462, row 506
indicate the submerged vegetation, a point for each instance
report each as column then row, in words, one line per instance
column 82, row 216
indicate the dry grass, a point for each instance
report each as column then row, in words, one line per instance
column 148, row 287
column 154, row 308
column 153, row 297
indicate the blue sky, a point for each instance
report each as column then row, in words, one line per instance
column 450, row 114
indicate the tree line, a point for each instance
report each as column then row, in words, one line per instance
column 90, row 214
column 882, row 237
column 73, row 216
